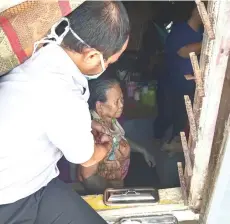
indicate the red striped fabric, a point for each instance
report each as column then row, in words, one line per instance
column 64, row 7
column 13, row 39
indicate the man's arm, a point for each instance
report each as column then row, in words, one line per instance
column 103, row 144
column 100, row 152
column 68, row 125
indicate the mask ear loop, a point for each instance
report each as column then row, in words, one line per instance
column 102, row 62
column 53, row 33
column 74, row 34
column 59, row 39
column 82, row 41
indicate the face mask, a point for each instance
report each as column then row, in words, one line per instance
column 54, row 38
column 99, row 74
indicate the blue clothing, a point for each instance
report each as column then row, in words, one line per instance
column 181, row 35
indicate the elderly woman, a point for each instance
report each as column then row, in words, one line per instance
column 106, row 105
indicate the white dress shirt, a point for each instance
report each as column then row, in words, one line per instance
column 43, row 115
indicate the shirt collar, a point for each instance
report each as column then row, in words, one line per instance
column 55, row 56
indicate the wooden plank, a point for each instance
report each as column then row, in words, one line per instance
column 182, row 183
column 214, row 78
column 215, row 192
column 218, row 141
column 205, row 19
column 186, row 154
column 192, row 123
column 197, row 74
column 204, row 61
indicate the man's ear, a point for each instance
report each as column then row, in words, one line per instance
column 91, row 57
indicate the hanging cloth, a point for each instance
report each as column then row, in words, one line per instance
column 162, row 33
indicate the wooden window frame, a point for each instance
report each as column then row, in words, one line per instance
column 213, row 66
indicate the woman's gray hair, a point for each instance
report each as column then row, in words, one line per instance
column 98, row 89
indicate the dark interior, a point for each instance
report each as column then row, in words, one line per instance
column 143, row 62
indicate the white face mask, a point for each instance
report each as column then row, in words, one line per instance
column 58, row 39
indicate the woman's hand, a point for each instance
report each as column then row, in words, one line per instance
column 189, row 77
column 138, row 148
column 149, row 159
column 186, row 50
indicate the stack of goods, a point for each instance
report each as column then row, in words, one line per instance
column 145, row 93
column 148, row 95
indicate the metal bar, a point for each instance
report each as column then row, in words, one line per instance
column 186, row 154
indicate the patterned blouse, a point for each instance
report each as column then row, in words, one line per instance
column 116, row 164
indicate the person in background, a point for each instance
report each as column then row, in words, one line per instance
column 185, row 37
column 106, row 106
column 44, row 115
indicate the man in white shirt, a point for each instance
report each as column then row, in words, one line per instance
column 44, row 115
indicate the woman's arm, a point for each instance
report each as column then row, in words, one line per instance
column 138, row 148
column 186, row 50
column 184, row 53
column 135, row 147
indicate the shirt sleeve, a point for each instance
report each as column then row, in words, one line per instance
column 181, row 36
column 68, row 125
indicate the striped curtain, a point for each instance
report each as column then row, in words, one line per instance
column 23, row 24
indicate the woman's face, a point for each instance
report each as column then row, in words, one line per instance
column 113, row 107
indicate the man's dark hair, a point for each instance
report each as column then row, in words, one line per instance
column 103, row 25
column 98, row 89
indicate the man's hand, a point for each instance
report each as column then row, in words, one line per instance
column 100, row 152
column 101, row 134
column 96, row 126
column 103, row 144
